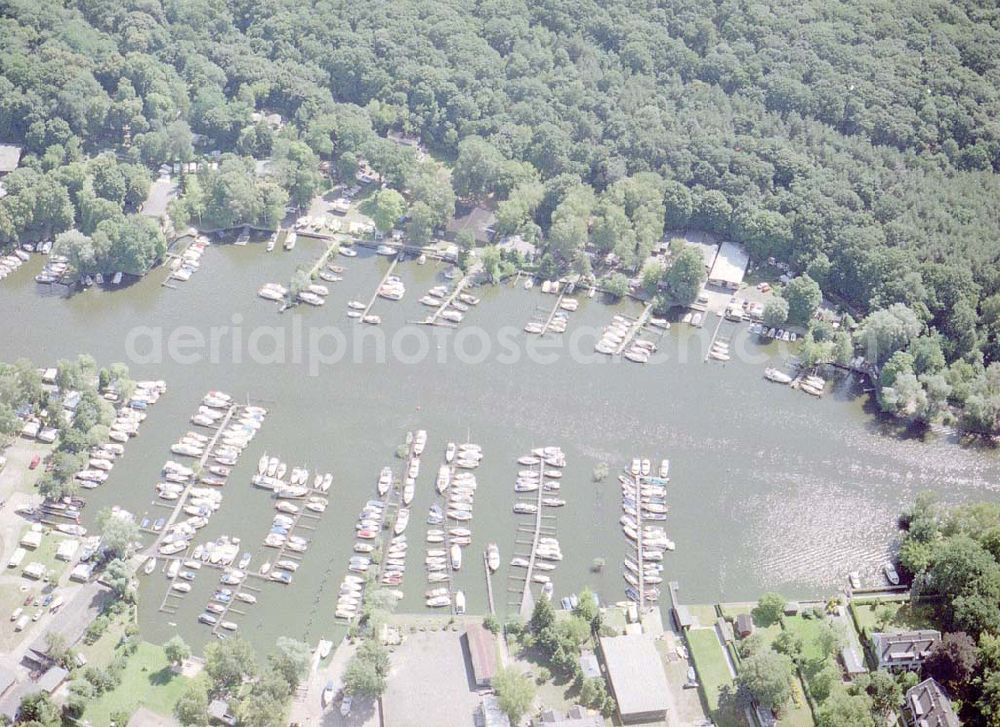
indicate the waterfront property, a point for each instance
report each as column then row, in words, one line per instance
column 927, row 705
column 905, row 651
column 482, row 648
column 635, row 673
column 729, row 266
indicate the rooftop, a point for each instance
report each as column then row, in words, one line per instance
column 929, row 706
column 577, row 716
column 730, row 264
column 10, row 157
column 636, row 674
column 482, row 651
column 904, row 647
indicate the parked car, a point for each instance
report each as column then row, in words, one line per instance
column 35, row 461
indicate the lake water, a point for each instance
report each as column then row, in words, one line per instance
column 771, row 489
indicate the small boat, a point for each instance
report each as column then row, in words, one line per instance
column 855, row 579
column 493, row 557
column 181, row 586
column 402, row 520
column 459, row 602
column 262, row 464
column 456, row 557
column 150, row 566
column 890, row 573
column 356, row 305
column 449, row 452
column 348, row 252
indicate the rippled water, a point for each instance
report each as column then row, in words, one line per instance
column 771, row 489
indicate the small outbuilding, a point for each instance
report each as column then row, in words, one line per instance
column 577, row 716
column 481, row 644
column 589, row 666
column 31, row 539
column 729, row 267
column 67, row 549
column 218, row 713
column 10, row 157
column 637, row 678
column 744, row 625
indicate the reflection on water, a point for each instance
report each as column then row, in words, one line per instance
column 771, row 489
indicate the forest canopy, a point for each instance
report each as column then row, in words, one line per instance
column 857, row 141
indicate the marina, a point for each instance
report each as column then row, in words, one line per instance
column 336, row 416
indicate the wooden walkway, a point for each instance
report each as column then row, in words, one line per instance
column 489, row 584
column 555, row 309
column 367, row 310
column 325, row 257
column 636, row 327
column 432, row 319
column 179, row 508
column 527, row 600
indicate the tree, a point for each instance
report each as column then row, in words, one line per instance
column 542, row 617
column 367, row 671
column 515, row 693
column 228, row 663
column 118, row 576
column 769, row 609
column 846, row 710
column 683, row 279
column 290, row 660
column 789, row 644
column 586, row 607
column 767, row 676
column 192, row 706
column 387, row 208
column 953, row 660
column 776, row 311
column 616, row 285
column 803, row 296
column 176, row 650
column 477, row 168
column 885, row 692
column 886, row 331
column 119, row 532
column 490, row 258
column 37, row 707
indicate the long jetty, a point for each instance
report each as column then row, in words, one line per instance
column 179, row 508
column 432, row 319
column 527, row 600
column 334, row 245
column 555, row 309
column 636, row 327
column 367, row 310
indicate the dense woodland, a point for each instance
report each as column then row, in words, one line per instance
column 859, row 142
column 954, row 557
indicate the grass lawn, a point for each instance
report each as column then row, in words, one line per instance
column 705, row 614
column 147, row 681
column 713, row 673
column 46, row 555
column 797, row 712
column 102, row 651
column 904, row 616
column 813, row 658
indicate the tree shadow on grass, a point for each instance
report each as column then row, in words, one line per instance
column 162, row 677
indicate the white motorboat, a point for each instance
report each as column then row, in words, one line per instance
column 493, row 557
column 402, row 520
column 456, row 557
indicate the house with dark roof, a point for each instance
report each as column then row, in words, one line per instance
column 927, row 705
column 904, row 651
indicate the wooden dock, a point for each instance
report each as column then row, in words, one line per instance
column 555, row 309
column 636, row 327
column 432, row 319
column 527, row 599
column 325, row 257
column 367, row 310
column 489, row 584
column 179, row 508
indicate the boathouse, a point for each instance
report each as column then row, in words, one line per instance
column 729, row 267
column 636, row 676
column 482, row 654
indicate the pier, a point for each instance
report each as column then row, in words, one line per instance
column 325, row 257
column 433, row 318
column 555, row 309
column 489, row 584
column 179, row 507
column 636, row 327
column 367, row 310
column 636, row 480
column 527, row 600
